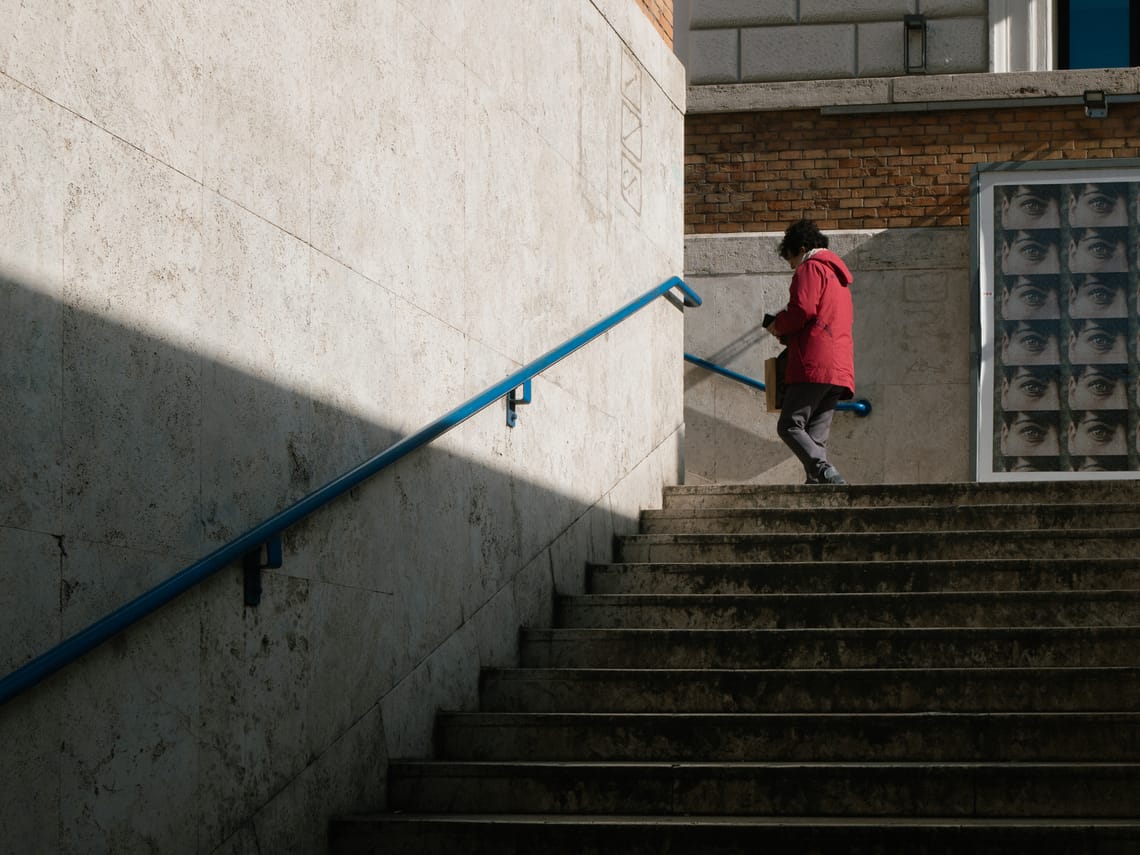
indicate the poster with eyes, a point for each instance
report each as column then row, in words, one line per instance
column 1057, row 251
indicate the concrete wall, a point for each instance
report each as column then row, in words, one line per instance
column 246, row 246
column 742, row 41
column 912, row 328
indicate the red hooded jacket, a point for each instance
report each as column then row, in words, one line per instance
column 816, row 325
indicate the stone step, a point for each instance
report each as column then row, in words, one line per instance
column 911, row 669
column 850, row 577
column 497, row 834
column 803, row 737
column 876, row 546
column 796, row 611
column 886, row 495
column 768, row 789
column 831, row 648
column 811, row 690
column 896, row 518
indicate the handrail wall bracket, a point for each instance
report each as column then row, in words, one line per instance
column 513, row 401
column 252, row 565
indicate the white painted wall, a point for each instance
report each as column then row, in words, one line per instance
column 746, row 41
column 245, row 246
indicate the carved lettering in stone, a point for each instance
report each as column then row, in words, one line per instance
column 631, row 137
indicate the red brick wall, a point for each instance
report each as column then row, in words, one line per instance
column 756, row 172
column 660, row 12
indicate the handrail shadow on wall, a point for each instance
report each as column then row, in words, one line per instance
column 260, row 547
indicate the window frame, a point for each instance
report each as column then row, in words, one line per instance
column 1061, row 34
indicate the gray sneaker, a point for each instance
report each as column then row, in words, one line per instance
column 831, row 475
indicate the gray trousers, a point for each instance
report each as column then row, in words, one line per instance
column 805, row 423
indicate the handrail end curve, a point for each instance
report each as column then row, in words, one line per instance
column 692, row 299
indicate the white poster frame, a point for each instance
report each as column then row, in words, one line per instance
column 1010, row 443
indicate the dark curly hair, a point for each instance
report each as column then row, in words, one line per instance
column 800, row 237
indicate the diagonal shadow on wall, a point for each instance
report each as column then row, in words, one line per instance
column 129, row 457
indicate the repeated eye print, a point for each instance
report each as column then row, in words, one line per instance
column 1066, row 333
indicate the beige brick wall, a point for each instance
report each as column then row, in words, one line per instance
column 660, row 12
column 753, row 172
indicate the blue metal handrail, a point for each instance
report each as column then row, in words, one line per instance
column 862, row 407
column 267, row 534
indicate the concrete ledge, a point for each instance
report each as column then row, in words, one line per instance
column 792, row 95
column 1016, row 84
column 913, row 89
column 892, row 249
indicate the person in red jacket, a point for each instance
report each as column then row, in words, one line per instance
column 816, row 327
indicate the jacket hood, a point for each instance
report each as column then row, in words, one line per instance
column 826, row 256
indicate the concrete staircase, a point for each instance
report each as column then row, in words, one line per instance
column 910, row 669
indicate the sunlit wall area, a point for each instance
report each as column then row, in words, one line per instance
column 246, row 246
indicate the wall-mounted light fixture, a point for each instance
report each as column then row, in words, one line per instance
column 914, row 44
column 1096, row 104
